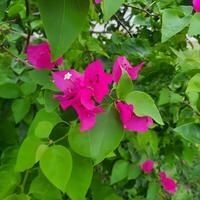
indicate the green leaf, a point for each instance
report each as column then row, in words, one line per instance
column 28, row 88
column 50, row 103
column 194, row 28
column 40, row 151
column 101, row 140
column 43, row 129
column 144, row 105
column 190, row 132
column 110, row 7
column 102, row 191
column 153, row 189
column 56, row 164
column 18, row 197
column 3, row 5
column 153, row 141
column 194, row 84
column 20, row 107
column 9, row 180
column 133, row 171
column 175, row 20
column 27, row 153
column 58, row 18
column 119, row 171
column 43, row 123
column 40, row 77
column 42, row 189
column 124, row 86
column 77, row 189
column 189, row 154
column 9, row 91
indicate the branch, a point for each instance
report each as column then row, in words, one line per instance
column 16, row 57
column 28, row 22
column 141, row 9
column 121, row 23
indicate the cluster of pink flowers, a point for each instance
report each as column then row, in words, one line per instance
column 85, row 92
column 168, row 183
column 196, row 5
column 82, row 92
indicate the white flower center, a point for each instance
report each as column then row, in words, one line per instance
column 67, row 76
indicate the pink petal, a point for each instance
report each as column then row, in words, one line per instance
column 162, row 175
column 168, row 183
column 132, row 122
column 147, row 166
column 67, row 81
column 87, row 117
column 98, row 1
column 86, row 99
column 96, row 79
column 65, row 102
column 122, row 62
column 196, row 5
column 133, row 72
column 40, row 56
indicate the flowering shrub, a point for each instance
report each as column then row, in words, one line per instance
column 99, row 100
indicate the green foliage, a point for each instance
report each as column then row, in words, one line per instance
column 83, row 168
column 98, row 142
column 27, row 153
column 110, row 7
column 190, row 132
column 63, row 20
column 124, row 86
column 148, row 107
column 57, row 158
column 43, row 154
column 119, row 171
column 175, row 20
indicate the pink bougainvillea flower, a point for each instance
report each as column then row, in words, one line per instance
column 96, row 79
column 168, row 183
column 40, row 56
column 87, row 117
column 98, row 1
column 196, row 5
column 130, row 120
column 122, row 62
column 147, row 166
column 83, row 91
column 70, row 83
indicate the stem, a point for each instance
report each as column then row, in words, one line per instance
column 60, row 139
column 16, row 57
column 121, row 23
column 24, row 181
column 28, row 22
column 141, row 9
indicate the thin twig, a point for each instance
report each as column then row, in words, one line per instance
column 16, row 57
column 29, row 31
column 141, row 9
column 121, row 23
column 60, row 139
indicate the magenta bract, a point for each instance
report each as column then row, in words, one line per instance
column 98, row 1
column 147, row 166
column 196, row 5
column 168, row 183
column 130, row 120
column 122, row 62
column 40, row 56
column 82, row 91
